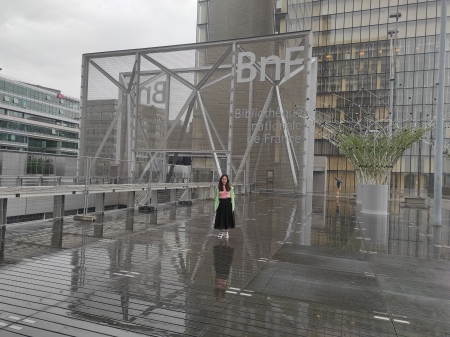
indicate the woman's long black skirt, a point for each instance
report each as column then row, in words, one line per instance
column 224, row 215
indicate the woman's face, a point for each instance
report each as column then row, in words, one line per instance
column 224, row 180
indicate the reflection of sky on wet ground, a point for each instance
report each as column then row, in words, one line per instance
column 306, row 266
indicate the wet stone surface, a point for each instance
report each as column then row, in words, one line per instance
column 293, row 266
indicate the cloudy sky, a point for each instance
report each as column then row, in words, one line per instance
column 41, row 41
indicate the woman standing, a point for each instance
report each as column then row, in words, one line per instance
column 224, row 206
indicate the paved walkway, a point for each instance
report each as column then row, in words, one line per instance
column 308, row 266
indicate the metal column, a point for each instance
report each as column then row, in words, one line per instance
column 437, row 221
column 231, row 116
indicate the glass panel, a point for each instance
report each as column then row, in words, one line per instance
column 401, row 29
column 201, row 33
column 384, row 15
column 431, row 9
column 429, row 61
column 332, row 36
column 202, row 14
column 431, row 29
column 422, row 11
column 339, row 21
column 374, row 15
column 348, row 22
column 421, row 28
column 400, row 63
column 332, row 6
column 356, row 19
column 418, row 80
column 348, row 6
column 412, row 13
column 348, row 35
column 365, row 34
column 411, row 30
column 316, row 8
column 365, row 4
column 365, row 18
column 315, row 24
column 339, row 37
column 340, row 6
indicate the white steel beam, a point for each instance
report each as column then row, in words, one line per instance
column 134, row 80
column 215, row 81
column 108, row 132
column 167, row 70
column 231, row 111
column 109, row 77
column 254, row 134
column 288, row 139
column 205, row 120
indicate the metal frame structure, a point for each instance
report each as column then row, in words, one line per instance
column 192, row 79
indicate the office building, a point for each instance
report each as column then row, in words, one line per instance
column 39, row 130
column 39, row 135
column 352, row 42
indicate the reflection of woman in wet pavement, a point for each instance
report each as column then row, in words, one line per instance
column 223, row 258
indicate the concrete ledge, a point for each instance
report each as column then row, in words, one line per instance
column 148, row 208
column 91, row 218
column 414, row 201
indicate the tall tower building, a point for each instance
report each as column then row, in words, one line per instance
column 271, row 162
column 354, row 42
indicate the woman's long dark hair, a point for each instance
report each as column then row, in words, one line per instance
column 227, row 185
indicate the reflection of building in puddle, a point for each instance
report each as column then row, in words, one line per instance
column 129, row 219
column 223, row 258
column 57, row 232
column 374, row 229
column 131, row 282
column 2, row 240
column 334, row 227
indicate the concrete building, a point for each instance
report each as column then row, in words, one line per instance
column 39, row 136
column 37, row 119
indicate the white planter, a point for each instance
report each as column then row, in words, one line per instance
column 375, row 199
column 359, row 187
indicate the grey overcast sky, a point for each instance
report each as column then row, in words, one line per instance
column 41, row 41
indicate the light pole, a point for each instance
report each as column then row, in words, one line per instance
column 393, row 35
column 437, row 220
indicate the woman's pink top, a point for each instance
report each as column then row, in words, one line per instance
column 224, row 194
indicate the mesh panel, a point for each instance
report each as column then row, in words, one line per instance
column 224, row 107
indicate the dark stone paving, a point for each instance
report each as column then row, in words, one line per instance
column 305, row 266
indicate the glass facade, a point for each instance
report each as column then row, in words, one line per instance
column 352, row 42
column 37, row 119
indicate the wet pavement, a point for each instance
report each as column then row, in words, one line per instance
column 293, row 266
